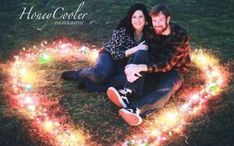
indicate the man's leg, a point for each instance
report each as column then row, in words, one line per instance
column 117, row 81
column 121, row 98
column 169, row 83
column 140, row 57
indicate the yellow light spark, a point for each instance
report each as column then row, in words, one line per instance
column 28, row 100
column 74, row 138
column 195, row 98
column 23, row 71
column 171, row 116
column 202, row 60
column 93, row 55
column 155, row 133
column 48, row 126
column 197, row 109
column 32, row 107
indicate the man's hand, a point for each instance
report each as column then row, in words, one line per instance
column 132, row 77
column 132, row 71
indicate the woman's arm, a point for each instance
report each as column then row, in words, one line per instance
column 133, row 50
column 130, row 51
column 115, row 44
column 118, row 45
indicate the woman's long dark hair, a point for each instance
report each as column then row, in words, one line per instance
column 126, row 21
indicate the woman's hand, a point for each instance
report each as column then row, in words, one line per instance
column 141, row 46
column 133, row 50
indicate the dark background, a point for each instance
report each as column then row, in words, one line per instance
column 210, row 25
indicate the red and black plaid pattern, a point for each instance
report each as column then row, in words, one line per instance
column 169, row 52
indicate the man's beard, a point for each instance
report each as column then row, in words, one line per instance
column 164, row 29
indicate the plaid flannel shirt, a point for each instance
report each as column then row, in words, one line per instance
column 169, row 52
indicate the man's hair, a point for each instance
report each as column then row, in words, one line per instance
column 155, row 10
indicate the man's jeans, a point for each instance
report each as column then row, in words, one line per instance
column 106, row 72
column 154, row 89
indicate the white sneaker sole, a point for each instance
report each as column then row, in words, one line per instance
column 130, row 118
column 114, row 96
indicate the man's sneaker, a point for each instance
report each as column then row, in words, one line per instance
column 68, row 75
column 119, row 98
column 131, row 116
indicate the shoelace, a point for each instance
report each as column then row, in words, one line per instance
column 134, row 110
column 123, row 94
column 122, row 91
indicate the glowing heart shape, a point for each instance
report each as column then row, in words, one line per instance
column 35, row 108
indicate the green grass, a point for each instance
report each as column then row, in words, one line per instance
column 210, row 24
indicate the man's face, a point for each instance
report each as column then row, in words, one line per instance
column 160, row 23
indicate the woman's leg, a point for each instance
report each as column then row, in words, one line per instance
column 99, row 73
column 117, row 80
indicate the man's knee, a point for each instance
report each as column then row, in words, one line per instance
column 174, row 80
column 177, row 81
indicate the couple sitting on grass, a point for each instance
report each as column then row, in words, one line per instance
column 141, row 66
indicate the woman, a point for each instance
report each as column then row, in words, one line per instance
column 109, row 69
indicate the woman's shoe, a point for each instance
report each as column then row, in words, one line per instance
column 68, row 75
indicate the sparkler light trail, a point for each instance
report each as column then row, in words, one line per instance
column 21, row 85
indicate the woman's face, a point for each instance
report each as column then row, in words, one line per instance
column 138, row 20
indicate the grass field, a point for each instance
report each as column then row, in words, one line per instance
column 210, row 25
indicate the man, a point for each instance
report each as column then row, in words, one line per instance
column 160, row 69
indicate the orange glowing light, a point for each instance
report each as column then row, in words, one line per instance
column 74, row 138
column 26, row 75
column 48, row 126
column 93, row 55
column 155, row 133
column 196, row 109
column 169, row 119
column 28, row 100
column 195, row 98
column 171, row 116
column 32, row 107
